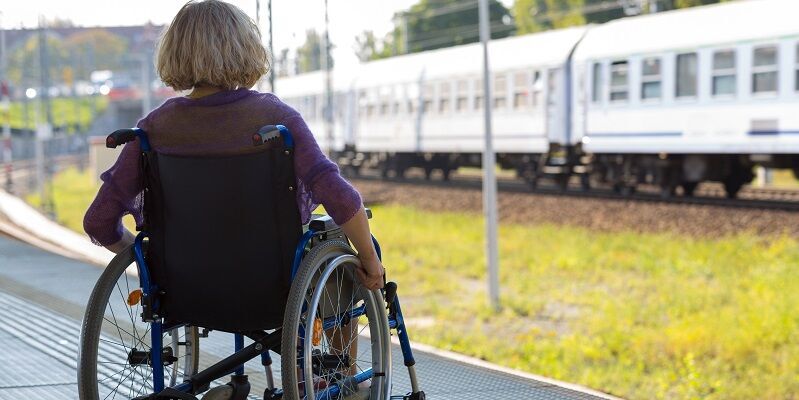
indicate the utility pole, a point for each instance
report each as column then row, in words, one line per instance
column 44, row 70
column 146, row 98
column 328, row 108
column 489, row 161
column 653, row 6
column 271, row 49
column 44, row 131
column 6, row 106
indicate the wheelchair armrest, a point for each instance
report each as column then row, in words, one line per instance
column 324, row 223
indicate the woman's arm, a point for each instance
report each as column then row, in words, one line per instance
column 340, row 199
column 357, row 230
column 117, row 196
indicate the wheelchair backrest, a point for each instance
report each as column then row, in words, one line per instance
column 223, row 232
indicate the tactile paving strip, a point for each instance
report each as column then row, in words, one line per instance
column 47, row 341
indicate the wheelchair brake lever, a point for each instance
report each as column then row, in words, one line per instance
column 391, row 294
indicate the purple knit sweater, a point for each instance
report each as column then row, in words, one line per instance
column 218, row 124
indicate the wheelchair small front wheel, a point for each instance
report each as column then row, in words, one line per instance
column 335, row 336
column 115, row 343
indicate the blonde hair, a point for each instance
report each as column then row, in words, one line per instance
column 211, row 43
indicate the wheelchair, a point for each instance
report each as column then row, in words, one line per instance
column 222, row 249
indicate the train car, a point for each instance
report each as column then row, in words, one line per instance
column 686, row 96
column 426, row 110
column 672, row 99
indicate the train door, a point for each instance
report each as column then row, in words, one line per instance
column 554, row 104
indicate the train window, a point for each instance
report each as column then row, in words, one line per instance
column 687, row 69
column 724, row 73
column 500, row 91
column 538, row 87
column 596, row 82
column 618, row 81
column 796, row 69
column 650, row 79
column 444, row 93
column 427, row 97
column 462, row 102
column 521, row 94
column 478, row 94
column 362, row 101
column 764, row 70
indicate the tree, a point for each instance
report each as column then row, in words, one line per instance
column 24, row 62
column 309, row 55
column 433, row 24
column 96, row 49
column 368, row 47
column 539, row 15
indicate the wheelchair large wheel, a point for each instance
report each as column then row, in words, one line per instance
column 114, row 342
column 336, row 336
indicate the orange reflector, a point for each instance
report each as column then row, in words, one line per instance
column 134, row 297
column 317, row 332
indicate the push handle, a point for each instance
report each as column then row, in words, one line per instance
column 270, row 133
column 120, row 137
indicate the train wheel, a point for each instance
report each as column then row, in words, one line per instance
column 688, row 188
column 732, row 185
column 585, row 182
column 445, row 174
column 562, row 181
column 428, row 173
column 623, row 189
column 667, row 190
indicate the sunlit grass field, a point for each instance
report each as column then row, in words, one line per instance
column 642, row 316
column 66, row 111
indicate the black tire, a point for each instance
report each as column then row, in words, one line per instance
column 111, row 328
column 301, row 306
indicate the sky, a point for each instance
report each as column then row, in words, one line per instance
column 292, row 18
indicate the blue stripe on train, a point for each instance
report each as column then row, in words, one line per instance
column 633, row 134
column 773, row 132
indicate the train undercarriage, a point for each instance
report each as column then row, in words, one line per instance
column 672, row 174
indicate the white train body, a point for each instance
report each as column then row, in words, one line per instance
column 673, row 98
column 732, row 117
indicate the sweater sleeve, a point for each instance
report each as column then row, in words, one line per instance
column 319, row 175
column 120, row 194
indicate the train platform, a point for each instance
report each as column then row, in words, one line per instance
column 42, row 296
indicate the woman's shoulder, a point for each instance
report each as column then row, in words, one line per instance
column 271, row 102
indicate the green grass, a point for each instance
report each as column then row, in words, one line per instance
column 644, row 316
column 785, row 178
column 66, row 111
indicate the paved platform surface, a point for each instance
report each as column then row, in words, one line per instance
column 41, row 306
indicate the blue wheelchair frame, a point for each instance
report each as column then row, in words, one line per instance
column 395, row 318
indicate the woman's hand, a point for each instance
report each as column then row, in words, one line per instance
column 371, row 272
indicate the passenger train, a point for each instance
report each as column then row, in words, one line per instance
column 671, row 99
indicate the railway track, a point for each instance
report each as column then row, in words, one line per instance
column 707, row 194
column 23, row 172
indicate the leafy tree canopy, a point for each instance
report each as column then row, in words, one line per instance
column 433, row 24
column 309, row 55
column 540, row 15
